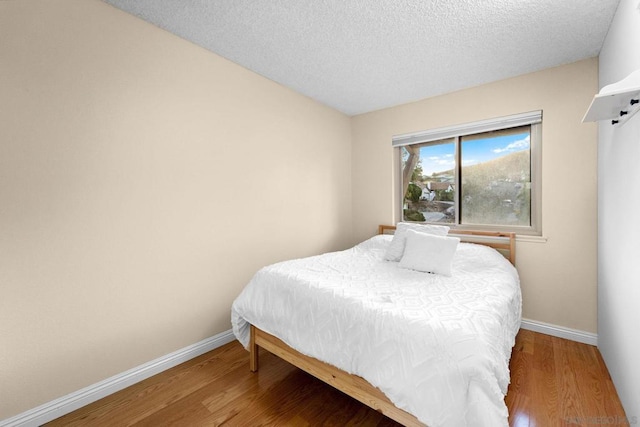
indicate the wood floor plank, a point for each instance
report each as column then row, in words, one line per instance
column 569, row 393
column 157, row 392
column 272, row 408
column 545, row 389
column 554, row 382
column 518, row 398
column 220, row 401
column 330, row 407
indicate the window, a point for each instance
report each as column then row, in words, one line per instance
column 482, row 175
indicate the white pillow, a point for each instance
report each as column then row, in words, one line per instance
column 429, row 253
column 396, row 247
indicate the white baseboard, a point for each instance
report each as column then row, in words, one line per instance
column 560, row 331
column 69, row 403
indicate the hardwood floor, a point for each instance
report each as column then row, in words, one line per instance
column 554, row 382
column 557, row 382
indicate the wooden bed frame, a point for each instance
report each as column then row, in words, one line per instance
column 353, row 385
column 502, row 241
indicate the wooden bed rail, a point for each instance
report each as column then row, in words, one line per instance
column 503, row 242
column 351, row 385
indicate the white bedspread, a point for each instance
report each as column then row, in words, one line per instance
column 437, row 346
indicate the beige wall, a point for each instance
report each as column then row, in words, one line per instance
column 143, row 180
column 558, row 276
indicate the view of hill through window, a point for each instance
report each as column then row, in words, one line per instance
column 475, row 179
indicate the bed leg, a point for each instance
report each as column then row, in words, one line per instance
column 253, row 351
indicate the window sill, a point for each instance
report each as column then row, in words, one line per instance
column 531, row 239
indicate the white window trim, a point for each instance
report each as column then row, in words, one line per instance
column 531, row 118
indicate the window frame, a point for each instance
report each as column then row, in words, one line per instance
column 533, row 119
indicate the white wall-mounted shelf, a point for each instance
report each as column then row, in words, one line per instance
column 616, row 102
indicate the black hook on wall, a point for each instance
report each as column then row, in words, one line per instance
column 632, row 102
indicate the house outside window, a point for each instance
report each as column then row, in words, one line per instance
column 481, row 175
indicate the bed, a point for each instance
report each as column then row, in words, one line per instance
column 422, row 348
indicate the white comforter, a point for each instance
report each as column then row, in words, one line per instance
column 437, row 346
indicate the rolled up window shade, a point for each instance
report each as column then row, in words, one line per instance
column 515, row 120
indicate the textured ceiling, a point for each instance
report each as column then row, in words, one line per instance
column 363, row 55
